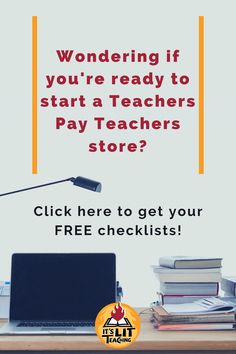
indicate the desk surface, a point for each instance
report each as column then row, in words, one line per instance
column 149, row 339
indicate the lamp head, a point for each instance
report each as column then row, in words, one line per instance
column 86, row 183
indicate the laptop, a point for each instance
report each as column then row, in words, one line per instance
column 59, row 293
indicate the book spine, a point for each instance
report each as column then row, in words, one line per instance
column 189, row 295
column 167, row 299
column 188, row 278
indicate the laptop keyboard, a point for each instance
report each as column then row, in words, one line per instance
column 57, row 324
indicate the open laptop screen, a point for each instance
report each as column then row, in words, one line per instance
column 61, row 286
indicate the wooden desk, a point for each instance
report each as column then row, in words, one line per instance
column 149, row 339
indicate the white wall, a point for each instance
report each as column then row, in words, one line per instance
column 164, row 175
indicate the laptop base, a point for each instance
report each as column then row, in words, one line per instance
column 12, row 328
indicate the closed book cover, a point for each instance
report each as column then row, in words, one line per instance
column 187, row 275
column 185, row 288
column 182, row 262
column 177, row 299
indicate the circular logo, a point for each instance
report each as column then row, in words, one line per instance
column 117, row 325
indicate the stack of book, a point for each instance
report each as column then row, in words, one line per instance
column 186, row 279
column 206, row 314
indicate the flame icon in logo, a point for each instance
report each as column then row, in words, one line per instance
column 118, row 312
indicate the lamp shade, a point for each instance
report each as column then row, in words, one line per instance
column 87, row 184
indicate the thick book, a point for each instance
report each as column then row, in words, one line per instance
column 177, row 299
column 183, row 262
column 208, row 326
column 228, row 285
column 168, row 275
column 192, row 289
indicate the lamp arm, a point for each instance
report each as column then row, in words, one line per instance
column 39, row 186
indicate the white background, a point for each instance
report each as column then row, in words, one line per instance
column 165, row 174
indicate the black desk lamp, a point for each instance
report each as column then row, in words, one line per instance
column 77, row 181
